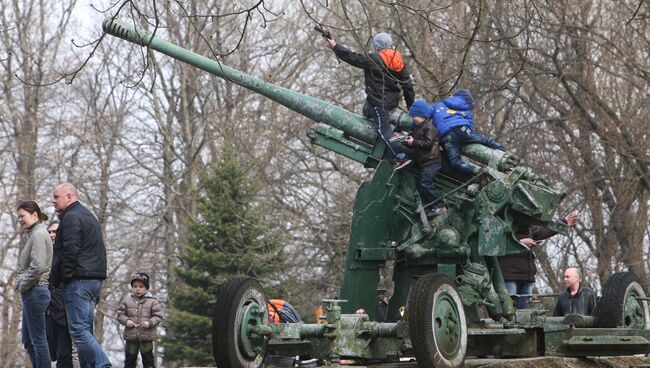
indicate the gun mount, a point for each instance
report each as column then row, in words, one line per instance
column 445, row 268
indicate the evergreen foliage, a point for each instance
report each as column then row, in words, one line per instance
column 229, row 237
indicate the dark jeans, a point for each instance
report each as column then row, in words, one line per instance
column 146, row 351
column 35, row 302
column 384, row 131
column 522, row 288
column 80, row 298
column 451, row 144
column 428, row 191
column 60, row 343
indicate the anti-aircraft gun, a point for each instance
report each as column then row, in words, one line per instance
column 445, row 270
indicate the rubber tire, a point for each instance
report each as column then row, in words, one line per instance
column 610, row 309
column 424, row 295
column 233, row 296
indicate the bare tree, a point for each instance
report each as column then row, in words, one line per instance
column 563, row 87
column 31, row 34
column 571, row 80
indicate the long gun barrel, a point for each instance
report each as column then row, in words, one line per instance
column 339, row 130
column 352, row 124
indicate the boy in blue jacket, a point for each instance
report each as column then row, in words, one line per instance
column 453, row 119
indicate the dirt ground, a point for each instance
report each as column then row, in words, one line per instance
column 537, row 362
column 553, row 362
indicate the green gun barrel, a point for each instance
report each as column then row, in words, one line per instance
column 349, row 123
column 352, row 124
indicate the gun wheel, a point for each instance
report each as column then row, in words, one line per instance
column 240, row 309
column 619, row 306
column 437, row 324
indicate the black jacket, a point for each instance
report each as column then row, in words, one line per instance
column 79, row 251
column 56, row 309
column 383, row 84
column 426, row 150
column 583, row 302
column 521, row 266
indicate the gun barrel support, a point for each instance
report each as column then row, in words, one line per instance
column 499, row 285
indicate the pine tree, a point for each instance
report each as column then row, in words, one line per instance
column 228, row 238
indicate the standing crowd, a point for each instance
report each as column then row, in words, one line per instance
column 60, row 273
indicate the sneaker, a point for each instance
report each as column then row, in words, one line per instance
column 436, row 212
column 401, row 164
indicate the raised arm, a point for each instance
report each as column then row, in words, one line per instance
column 353, row 58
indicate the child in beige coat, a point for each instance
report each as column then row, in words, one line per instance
column 140, row 314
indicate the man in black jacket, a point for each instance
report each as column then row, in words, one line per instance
column 79, row 262
column 519, row 269
column 386, row 77
column 577, row 299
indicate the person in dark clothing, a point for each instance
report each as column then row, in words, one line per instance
column 79, row 263
column 382, row 306
column 281, row 311
column 519, row 269
column 423, row 139
column 577, row 299
column 381, row 312
column 58, row 336
column 386, row 77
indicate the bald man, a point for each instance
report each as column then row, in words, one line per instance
column 79, row 263
column 577, row 299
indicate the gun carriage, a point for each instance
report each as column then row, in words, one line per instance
column 445, row 268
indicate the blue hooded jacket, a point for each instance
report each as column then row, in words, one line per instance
column 452, row 112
